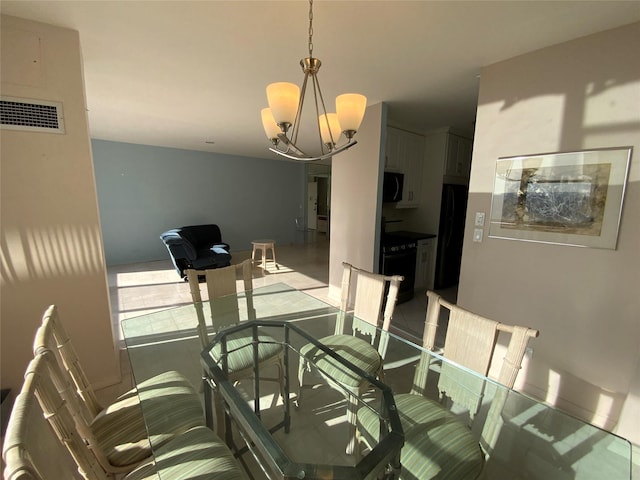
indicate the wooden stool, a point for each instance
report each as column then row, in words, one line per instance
column 264, row 245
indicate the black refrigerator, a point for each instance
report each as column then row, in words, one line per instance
column 450, row 235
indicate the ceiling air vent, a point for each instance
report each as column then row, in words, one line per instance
column 31, row 115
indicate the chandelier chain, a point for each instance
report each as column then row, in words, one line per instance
column 311, row 28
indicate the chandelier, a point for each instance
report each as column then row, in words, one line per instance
column 282, row 119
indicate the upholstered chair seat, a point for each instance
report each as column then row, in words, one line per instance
column 194, row 455
column 350, row 348
column 171, row 405
column 240, row 347
column 437, row 444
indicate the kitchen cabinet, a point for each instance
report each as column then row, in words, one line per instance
column 457, row 157
column 405, row 154
column 425, row 264
column 394, row 152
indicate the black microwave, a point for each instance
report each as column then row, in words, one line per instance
column 392, row 187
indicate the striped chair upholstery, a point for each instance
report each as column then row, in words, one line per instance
column 437, row 443
column 171, row 406
column 117, row 433
column 370, row 310
column 221, row 285
column 194, row 455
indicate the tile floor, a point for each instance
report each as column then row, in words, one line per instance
column 140, row 288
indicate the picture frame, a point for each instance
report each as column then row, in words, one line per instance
column 565, row 198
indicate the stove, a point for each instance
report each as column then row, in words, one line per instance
column 397, row 243
column 398, row 257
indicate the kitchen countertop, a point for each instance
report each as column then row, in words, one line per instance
column 412, row 235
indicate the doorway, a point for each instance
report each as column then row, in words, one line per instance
column 318, row 202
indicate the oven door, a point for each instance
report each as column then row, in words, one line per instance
column 401, row 263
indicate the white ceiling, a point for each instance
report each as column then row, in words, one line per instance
column 181, row 73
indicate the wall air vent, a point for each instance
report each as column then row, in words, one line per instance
column 31, row 115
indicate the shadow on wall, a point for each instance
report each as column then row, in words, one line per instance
column 582, row 77
column 567, row 294
column 598, row 406
column 49, row 252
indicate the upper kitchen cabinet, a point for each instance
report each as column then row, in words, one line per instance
column 394, row 151
column 457, row 158
column 405, row 154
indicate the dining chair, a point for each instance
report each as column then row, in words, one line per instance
column 221, row 286
column 117, row 433
column 438, row 444
column 371, row 299
column 195, row 454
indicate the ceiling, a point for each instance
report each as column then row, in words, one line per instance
column 186, row 73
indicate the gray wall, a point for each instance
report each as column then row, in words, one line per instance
column 145, row 190
column 585, row 301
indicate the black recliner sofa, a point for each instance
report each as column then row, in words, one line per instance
column 196, row 246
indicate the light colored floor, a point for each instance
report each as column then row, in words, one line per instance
column 137, row 289
column 140, row 288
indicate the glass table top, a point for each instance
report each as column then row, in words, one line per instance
column 529, row 439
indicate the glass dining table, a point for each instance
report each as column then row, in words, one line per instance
column 523, row 437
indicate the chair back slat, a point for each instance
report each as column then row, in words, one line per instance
column 194, row 287
column 470, row 341
column 511, row 365
column 516, row 349
column 371, row 298
column 221, row 285
column 221, row 281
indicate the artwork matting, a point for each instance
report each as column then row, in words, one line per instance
column 568, row 198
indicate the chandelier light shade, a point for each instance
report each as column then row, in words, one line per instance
column 350, row 108
column 283, row 98
column 283, row 118
column 271, row 128
column 329, row 128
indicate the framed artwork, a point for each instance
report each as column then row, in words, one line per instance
column 572, row 198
